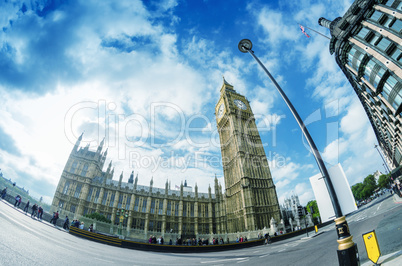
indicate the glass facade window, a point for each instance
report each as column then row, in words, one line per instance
column 376, row 15
column 397, row 25
column 389, row 2
column 378, row 77
column 176, row 209
column 398, row 100
column 387, row 21
column 399, row 7
column 389, row 84
column 374, row 40
column 396, row 54
column 72, row 208
column 354, row 58
column 384, row 44
column 191, row 209
column 363, row 33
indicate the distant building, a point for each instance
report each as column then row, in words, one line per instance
column 377, row 175
column 367, row 43
column 248, row 207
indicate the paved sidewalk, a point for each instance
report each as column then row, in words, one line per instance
column 393, row 259
column 397, row 199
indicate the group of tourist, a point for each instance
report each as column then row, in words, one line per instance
column 55, row 217
column 154, row 240
column 241, row 239
column 36, row 211
column 76, row 223
column 18, row 200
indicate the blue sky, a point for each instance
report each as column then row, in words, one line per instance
column 146, row 75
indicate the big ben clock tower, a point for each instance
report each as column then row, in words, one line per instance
column 251, row 199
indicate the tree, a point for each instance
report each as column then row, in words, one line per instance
column 357, row 191
column 383, row 181
column 364, row 190
column 313, row 203
column 98, row 216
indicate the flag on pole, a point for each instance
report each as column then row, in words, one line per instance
column 177, row 187
column 302, row 29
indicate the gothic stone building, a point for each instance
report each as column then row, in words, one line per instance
column 249, row 203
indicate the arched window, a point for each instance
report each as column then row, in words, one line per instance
column 84, row 170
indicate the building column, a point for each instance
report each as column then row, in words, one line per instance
column 130, row 213
column 196, row 217
column 82, row 199
column 100, row 199
column 180, row 217
column 147, row 211
column 164, row 211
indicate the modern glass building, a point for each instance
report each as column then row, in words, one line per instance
column 367, row 43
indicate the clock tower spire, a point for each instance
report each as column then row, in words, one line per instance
column 250, row 192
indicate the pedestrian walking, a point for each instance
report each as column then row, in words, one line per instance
column 4, row 193
column 34, row 209
column 26, row 207
column 40, row 212
column 17, row 198
column 54, row 218
column 66, row 223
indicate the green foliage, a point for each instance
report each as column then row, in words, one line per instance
column 313, row 203
column 383, row 181
column 365, row 189
column 99, row 217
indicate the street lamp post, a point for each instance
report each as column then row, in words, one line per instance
column 347, row 249
column 385, row 163
column 123, row 214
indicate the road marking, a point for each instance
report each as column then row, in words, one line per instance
column 264, row 256
column 281, row 250
column 224, row 260
column 256, row 251
column 109, row 261
column 242, row 261
column 379, row 206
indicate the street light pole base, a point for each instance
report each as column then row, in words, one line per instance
column 349, row 256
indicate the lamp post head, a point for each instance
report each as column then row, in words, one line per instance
column 245, row 45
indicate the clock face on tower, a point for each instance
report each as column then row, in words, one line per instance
column 240, row 104
column 220, row 110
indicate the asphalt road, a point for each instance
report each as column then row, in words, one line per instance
column 26, row 241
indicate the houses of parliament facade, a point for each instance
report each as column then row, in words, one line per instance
column 249, row 203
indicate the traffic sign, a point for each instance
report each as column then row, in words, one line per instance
column 372, row 248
